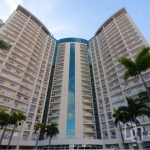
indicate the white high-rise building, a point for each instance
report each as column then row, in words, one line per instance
column 73, row 82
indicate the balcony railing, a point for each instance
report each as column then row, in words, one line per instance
column 53, row 114
column 54, row 107
column 89, row 121
column 89, row 129
column 84, row 100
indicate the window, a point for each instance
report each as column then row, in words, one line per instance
column 11, row 62
column 2, row 82
column 139, row 89
column 8, row 68
column 147, row 77
column 17, row 72
column 136, row 81
column 126, row 85
column 25, row 98
column 5, row 101
column 5, row 75
column 13, row 85
column 19, row 66
column 129, row 92
column 15, row 78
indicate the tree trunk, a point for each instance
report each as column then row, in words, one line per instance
column 122, row 136
column 135, row 137
column 11, row 137
column 145, row 85
column 139, row 133
column 49, row 142
column 2, row 135
column 37, row 141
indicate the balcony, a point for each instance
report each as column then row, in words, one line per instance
column 55, row 101
column 53, row 114
column 86, row 84
column 105, row 137
column 113, row 136
column 89, row 121
column 104, row 127
column 87, row 101
column 55, row 94
column 54, row 107
column 102, row 119
column 54, row 121
column 88, row 114
column 89, row 130
column 101, row 111
column 56, row 89
column 57, row 83
column 86, row 79
column 110, row 117
column 87, row 107
column 108, row 109
column 87, row 94
column 111, row 126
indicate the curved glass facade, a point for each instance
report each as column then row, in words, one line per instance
column 72, row 40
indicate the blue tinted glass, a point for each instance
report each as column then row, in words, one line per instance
column 70, row 128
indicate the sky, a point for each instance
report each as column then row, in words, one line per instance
column 80, row 18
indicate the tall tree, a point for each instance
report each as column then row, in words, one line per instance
column 135, row 108
column 51, row 130
column 134, row 68
column 4, row 121
column 14, row 118
column 4, row 45
column 39, row 126
column 120, row 116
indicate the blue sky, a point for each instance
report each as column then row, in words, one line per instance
column 80, row 18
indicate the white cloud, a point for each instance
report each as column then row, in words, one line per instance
column 12, row 4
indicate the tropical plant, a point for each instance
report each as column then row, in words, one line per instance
column 51, row 130
column 1, row 23
column 4, row 121
column 135, row 108
column 39, row 126
column 4, row 45
column 14, row 118
column 143, row 95
column 120, row 116
column 134, row 68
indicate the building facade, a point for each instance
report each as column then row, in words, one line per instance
column 73, row 82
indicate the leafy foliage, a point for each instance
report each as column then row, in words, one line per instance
column 4, row 45
column 141, row 63
column 51, row 130
column 15, row 117
column 135, row 107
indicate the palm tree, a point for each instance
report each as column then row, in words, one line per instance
column 14, row 118
column 135, row 108
column 120, row 116
column 51, row 130
column 39, row 126
column 134, row 68
column 4, row 121
column 4, row 45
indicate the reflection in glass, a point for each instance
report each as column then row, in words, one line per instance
column 70, row 129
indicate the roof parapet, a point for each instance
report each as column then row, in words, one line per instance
column 115, row 15
column 36, row 20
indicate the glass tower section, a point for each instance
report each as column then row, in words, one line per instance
column 70, row 131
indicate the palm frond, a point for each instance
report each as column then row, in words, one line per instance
column 144, row 63
column 144, row 51
column 127, row 63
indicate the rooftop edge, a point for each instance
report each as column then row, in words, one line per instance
column 115, row 15
column 35, row 19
